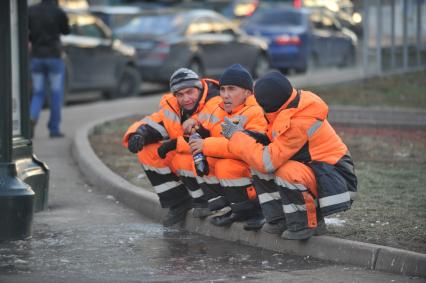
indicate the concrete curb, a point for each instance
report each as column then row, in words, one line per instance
column 338, row 250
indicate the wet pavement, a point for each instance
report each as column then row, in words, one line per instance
column 87, row 236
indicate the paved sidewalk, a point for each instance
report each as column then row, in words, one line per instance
column 329, row 248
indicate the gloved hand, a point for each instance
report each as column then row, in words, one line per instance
column 203, row 132
column 166, row 147
column 135, row 143
column 229, row 128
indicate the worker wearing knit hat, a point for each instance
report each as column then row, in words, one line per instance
column 237, row 75
column 272, row 91
column 310, row 167
column 184, row 78
column 236, row 84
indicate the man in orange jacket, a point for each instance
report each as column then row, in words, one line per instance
column 154, row 139
column 229, row 181
column 306, row 172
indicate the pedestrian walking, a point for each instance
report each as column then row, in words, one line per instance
column 47, row 21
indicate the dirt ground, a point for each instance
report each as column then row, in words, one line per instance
column 390, row 163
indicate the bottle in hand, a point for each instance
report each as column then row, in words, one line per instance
column 200, row 161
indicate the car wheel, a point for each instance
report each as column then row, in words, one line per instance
column 197, row 67
column 262, row 66
column 128, row 85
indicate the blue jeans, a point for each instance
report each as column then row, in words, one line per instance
column 52, row 72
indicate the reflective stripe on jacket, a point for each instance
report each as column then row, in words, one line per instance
column 167, row 121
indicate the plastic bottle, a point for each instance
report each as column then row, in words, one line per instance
column 200, row 161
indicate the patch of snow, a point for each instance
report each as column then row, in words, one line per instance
column 334, row 221
column 20, row 261
column 110, row 197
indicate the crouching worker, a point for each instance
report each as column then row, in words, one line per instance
column 228, row 183
column 154, row 139
column 306, row 172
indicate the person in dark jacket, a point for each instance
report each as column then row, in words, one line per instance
column 46, row 23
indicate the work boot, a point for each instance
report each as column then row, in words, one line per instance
column 177, row 213
column 225, row 219
column 275, row 227
column 56, row 135
column 201, row 212
column 254, row 223
column 321, row 228
column 303, row 234
column 306, row 233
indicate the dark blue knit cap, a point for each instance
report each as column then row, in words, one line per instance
column 237, row 75
column 272, row 91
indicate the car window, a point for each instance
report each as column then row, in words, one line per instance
column 282, row 18
column 322, row 21
column 92, row 30
column 85, row 25
column 202, row 25
column 152, row 24
column 222, row 26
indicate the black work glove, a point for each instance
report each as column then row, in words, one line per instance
column 203, row 132
column 166, row 147
column 135, row 143
column 260, row 138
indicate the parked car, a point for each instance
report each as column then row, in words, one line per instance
column 96, row 61
column 301, row 38
column 117, row 16
column 202, row 40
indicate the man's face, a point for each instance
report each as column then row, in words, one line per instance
column 233, row 96
column 187, row 97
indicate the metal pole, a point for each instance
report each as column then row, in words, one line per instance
column 392, row 34
column 379, row 37
column 404, row 35
column 5, row 79
column 366, row 35
column 418, row 32
column 16, row 197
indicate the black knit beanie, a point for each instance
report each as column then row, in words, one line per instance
column 237, row 75
column 272, row 91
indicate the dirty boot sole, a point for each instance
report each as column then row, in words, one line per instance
column 274, row 228
column 201, row 212
column 298, row 235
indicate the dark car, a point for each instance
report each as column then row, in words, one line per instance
column 301, row 38
column 117, row 16
column 202, row 40
column 96, row 61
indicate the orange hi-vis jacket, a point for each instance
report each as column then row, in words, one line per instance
column 168, row 121
column 299, row 133
column 249, row 115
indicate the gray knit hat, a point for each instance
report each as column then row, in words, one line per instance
column 184, row 78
